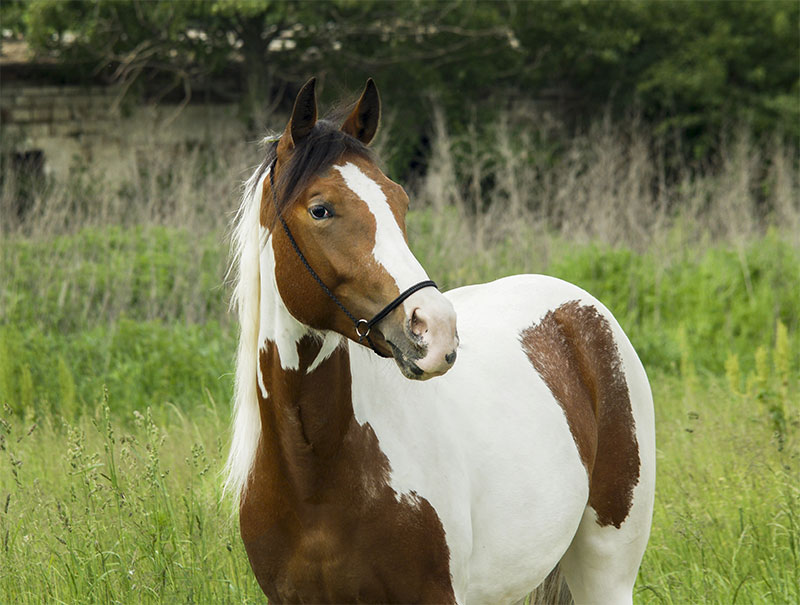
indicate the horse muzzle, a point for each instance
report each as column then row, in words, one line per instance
column 427, row 345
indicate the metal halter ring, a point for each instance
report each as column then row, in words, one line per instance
column 365, row 334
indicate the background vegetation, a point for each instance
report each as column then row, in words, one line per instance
column 691, row 69
column 664, row 180
column 116, row 497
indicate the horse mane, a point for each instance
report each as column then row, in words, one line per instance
column 244, row 271
column 325, row 144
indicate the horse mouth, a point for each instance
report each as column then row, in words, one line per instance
column 407, row 362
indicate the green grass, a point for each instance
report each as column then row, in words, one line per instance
column 148, row 362
column 116, row 508
column 99, row 510
column 725, row 527
column 117, row 498
column 95, row 275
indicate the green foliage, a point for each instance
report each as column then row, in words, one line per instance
column 775, row 385
column 96, row 275
column 705, row 81
column 120, row 306
column 97, row 510
column 12, row 16
column 725, row 525
column 724, row 300
column 67, row 395
column 140, row 309
column 693, row 69
column 150, row 362
column 683, row 306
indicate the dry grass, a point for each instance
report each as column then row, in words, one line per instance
column 517, row 175
column 610, row 184
column 185, row 188
column 518, row 190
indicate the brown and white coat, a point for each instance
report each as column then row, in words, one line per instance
column 535, row 448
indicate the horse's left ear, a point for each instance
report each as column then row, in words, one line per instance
column 363, row 122
column 304, row 116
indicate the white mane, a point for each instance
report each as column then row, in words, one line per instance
column 245, row 269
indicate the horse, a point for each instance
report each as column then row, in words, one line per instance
column 397, row 444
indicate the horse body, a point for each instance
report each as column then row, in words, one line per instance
column 534, row 449
column 490, row 448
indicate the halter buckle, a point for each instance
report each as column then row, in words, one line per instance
column 358, row 331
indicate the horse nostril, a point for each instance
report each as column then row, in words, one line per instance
column 450, row 357
column 417, row 324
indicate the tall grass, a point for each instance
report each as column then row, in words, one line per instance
column 612, row 184
column 725, row 528
column 149, row 243
column 117, row 280
column 97, row 512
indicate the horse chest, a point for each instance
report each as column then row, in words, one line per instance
column 355, row 542
column 298, row 563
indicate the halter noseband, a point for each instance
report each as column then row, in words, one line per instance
column 362, row 326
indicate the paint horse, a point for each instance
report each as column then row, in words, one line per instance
column 533, row 450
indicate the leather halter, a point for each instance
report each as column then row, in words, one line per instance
column 362, row 326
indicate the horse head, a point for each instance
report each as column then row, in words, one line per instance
column 341, row 251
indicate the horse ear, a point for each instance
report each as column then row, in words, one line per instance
column 363, row 122
column 304, row 114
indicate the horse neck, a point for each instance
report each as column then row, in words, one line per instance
column 303, row 386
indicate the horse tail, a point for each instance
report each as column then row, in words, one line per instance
column 553, row 591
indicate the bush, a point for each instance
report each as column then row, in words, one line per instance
column 96, row 275
column 146, row 363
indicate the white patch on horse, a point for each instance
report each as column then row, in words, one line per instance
column 276, row 324
column 483, row 487
column 331, row 340
column 389, row 241
column 261, row 386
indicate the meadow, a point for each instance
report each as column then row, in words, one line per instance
column 116, row 351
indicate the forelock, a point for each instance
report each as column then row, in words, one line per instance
column 315, row 154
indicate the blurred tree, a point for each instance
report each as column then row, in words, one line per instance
column 692, row 68
column 722, row 64
column 695, row 67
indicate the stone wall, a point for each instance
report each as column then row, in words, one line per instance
column 67, row 126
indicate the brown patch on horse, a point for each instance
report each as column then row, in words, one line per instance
column 573, row 350
column 319, row 520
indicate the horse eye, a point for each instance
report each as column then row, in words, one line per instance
column 320, row 212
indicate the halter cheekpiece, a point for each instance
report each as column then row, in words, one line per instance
column 362, row 326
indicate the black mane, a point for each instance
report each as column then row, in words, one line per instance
column 316, row 153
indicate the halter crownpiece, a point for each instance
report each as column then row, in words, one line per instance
column 362, row 326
